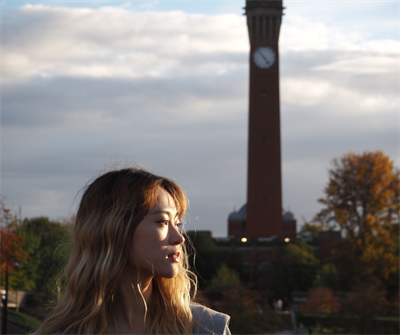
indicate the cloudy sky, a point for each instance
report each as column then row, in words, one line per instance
column 90, row 85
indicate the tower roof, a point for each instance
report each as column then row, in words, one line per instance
column 288, row 216
column 254, row 4
column 240, row 215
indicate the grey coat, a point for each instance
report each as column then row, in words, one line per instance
column 207, row 322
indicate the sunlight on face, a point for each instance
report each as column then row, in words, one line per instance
column 157, row 240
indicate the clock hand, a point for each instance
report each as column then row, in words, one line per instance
column 266, row 60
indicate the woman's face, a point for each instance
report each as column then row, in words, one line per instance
column 157, row 241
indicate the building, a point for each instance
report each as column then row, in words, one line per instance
column 261, row 228
column 262, row 215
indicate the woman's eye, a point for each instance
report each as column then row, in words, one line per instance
column 179, row 224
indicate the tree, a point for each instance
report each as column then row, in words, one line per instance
column 225, row 279
column 394, row 310
column 12, row 245
column 248, row 311
column 206, row 258
column 366, row 303
column 361, row 199
column 393, row 280
column 327, row 276
column 49, row 249
column 295, row 269
column 321, row 301
column 309, row 230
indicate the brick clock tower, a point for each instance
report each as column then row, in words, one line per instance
column 263, row 216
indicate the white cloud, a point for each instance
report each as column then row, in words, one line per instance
column 325, row 92
column 364, row 63
column 114, row 42
column 301, row 33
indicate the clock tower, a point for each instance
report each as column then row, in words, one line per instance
column 262, row 216
column 264, row 186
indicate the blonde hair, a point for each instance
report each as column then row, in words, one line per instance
column 111, row 208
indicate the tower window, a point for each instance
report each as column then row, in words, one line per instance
column 260, row 28
column 274, row 26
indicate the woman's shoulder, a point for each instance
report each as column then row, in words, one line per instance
column 208, row 321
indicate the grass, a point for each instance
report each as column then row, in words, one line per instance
column 23, row 319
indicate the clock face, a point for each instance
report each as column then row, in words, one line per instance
column 264, row 57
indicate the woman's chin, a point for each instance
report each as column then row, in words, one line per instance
column 169, row 274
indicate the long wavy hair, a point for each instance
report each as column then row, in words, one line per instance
column 111, row 208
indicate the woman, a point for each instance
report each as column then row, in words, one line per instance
column 128, row 271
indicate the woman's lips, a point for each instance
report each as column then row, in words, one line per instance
column 174, row 256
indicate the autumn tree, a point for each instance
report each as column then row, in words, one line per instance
column 362, row 201
column 366, row 303
column 250, row 314
column 12, row 243
column 321, row 301
column 394, row 308
column 309, row 230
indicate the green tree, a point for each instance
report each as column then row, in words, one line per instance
column 202, row 258
column 206, row 258
column 49, row 249
column 327, row 276
column 225, row 279
column 361, row 199
column 295, row 269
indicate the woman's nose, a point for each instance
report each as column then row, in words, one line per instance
column 176, row 237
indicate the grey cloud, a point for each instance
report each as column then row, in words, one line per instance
column 190, row 123
column 59, row 101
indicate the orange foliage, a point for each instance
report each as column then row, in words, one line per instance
column 362, row 195
column 321, row 300
column 361, row 199
column 11, row 243
column 365, row 302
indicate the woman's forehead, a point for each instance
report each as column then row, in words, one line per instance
column 164, row 202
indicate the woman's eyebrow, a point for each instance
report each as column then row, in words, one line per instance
column 163, row 211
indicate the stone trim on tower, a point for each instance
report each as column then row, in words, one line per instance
column 263, row 23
